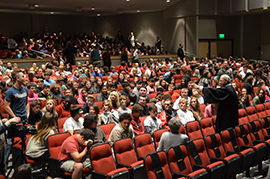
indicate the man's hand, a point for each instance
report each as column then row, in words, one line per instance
column 15, row 120
column 88, row 143
column 195, row 86
column 4, row 120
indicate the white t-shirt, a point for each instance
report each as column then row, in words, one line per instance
column 185, row 116
column 154, row 124
column 71, row 124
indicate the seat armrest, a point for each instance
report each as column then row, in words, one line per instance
column 217, row 159
column 54, row 167
column 140, row 158
column 232, row 152
column 196, row 166
column 178, row 175
column 255, row 142
column 123, row 165
column 97, row 175
column 244, row 147
column 267, row 137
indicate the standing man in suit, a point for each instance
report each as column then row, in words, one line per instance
column 180, row 52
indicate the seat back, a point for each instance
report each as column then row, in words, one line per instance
column 265, row 124
column 255, row 130
column 260, row 111
column 102, row 159
column 207, row 126
column 178, row 156
column 160, row 159
column 143, row 145
column 203, row 106
column 267, row 108
column 214, row 146
column 214, row 121
column 60, row 123
column 252, row 113
column 197, row 152
column 124, row 151
column 55, row 142
column 99, row 104
column 182, row 129
column 242, row 116
column 107, row 128
column 193, row 130
column 229, row 140
column 157, row 135
column 242, row 135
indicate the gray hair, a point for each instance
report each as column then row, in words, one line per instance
column 226, row 77
column 175, row 125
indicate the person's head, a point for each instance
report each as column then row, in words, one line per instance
column 167, row 104
column 55, row 88
column 190, row 83
column 196, row 93
column 152, row 110
column 123, row 100
column 47, row 75
column 112, row 68
column 93, row 78
column 126, row 86
column 224, row 80
column 184, row 92
column 67, row 102
column 18, row 77
column 50, row 106
column 244, row 91
column 104, row 89
column 90, row 100
column 183, row 104
column 170, row 87
column 76, row 112
column 113, row 87
column 90, row 122
column 68, row 92
column 142, row 90
column 40, row 82
column 261, row 93
column 151, row 82
column 143, row 99
column 194, row 103
column 214, row 83
column 22, row 172
column 35, row 106
column 74, row 86
column 174, row 125
column 132, row 98
column 249, row 79
column 137, row 111
column 31, row 87
column 107, row 105
column 96, row 69
column 85, row 135
column 225, row 64
column 161, row 77
column 94, row 109
column 3, row 92
column 124, row 120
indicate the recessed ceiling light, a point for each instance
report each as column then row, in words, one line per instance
column 52, row 12
column 138, row 10
column 92, row 8
column 168, row 1
column 127, row 0
column 98, row 14
column 36, row 5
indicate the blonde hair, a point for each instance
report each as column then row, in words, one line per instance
column 116, row 96
column 183, row 100
column 53, row 109
column 107, row 103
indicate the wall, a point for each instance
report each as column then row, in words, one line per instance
column 32, row 23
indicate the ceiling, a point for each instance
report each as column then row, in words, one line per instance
column 84, row 7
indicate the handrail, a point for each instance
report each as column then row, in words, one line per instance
column 42, row 53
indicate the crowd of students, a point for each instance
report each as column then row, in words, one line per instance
column 138, row 98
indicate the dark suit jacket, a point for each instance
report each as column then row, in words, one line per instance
column 180, row 53
column 227, row 113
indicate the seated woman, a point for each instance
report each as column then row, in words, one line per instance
column 55, row 91
column 109, row 115
column 103, row 95
column 197, row 93
column 37, row 145
column 211, row 110
column 244, row 101
column 172, row 138
column 50, row 107
column 195, row 109
column 82, row 96
column 123, row 129
column 114, row 98
column 35, row 114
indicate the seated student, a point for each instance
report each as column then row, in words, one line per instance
column 123, row 129
column 63, row 110
column 55, row 91
column 68, row 93
column 113, row 72
column 73, row 152
column 123, row 66
column 171, row 91
column 90, row 122
column 168, row 113
column 132, row 97
column 50, row 107
column 37, row 145
column 259, row 99
column 105, row 72
column 244, row 101
column 32, row 78
column 75, row 122
column 32, row 92
column 195, row 109
column 136, row 123
column 95, row 72
column 108, row 115
column 39, row 85
column 139, row 84
column 90, row 100
column 184, row 114
column 151, row 88
column 142, row 91
column 45, row 93
column 47, row 80
column 126, row 89
column 172, row 138
column 211, row 110
column 74, row 88
column 160, row 104
column 114, row 98
column 184, row 94
column 84, row 80
column 123, row 105
column 103, row 95
column 152, row 123
column 61, row 82
column 35, row 114
column 114, row 88
column 82, row 96
column 142, row 102
column 157, row 98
